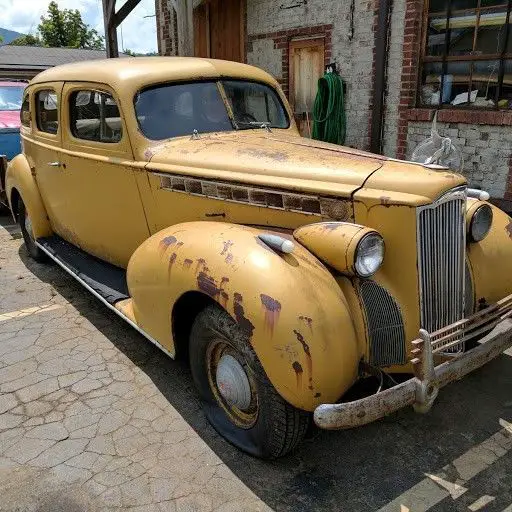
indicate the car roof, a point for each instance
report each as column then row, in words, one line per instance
column 134, row 73
column 8, row 83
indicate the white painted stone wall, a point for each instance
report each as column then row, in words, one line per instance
column 486, row 151
column 353, row 57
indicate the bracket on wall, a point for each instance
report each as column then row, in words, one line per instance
column 293, row 6
column 331, row 68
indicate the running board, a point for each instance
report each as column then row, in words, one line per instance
column 109, row 290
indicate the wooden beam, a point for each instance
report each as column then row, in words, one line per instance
column 126, row 9
column 110, row 28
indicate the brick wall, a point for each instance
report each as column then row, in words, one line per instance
column 486, row 150
column 349, row 43
column 485, row 137
column 394, row 76
column 166, row 28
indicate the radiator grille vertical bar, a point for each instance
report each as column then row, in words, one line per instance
column 441, row 261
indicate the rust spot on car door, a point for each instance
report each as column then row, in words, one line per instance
column 297, row 368
column 167, row 242
column 272, row 309
column 309, row 361
column 245, row 324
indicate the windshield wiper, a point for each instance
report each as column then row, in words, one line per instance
column 259, row 124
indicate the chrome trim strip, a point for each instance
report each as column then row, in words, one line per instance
column 98, row 296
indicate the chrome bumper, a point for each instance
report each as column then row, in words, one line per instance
column 421, row 390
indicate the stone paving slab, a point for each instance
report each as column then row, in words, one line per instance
column 82, row 427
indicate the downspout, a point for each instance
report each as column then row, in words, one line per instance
column 379, row 88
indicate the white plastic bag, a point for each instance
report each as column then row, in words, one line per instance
column 438, row 150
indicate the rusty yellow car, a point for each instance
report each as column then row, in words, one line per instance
column 180, row 193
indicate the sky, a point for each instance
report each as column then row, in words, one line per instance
column 138, row 33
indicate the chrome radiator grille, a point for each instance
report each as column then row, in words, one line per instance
column 385, row 325
column 441, row 261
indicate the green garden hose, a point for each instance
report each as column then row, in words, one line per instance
column 329, row 119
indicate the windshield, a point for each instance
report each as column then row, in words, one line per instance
column 175, row 110
column 10, row 97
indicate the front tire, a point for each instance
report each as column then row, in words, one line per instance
column 28, row 234
column 237, row 397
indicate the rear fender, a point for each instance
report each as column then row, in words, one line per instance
column 19, row 179
column 296, row 315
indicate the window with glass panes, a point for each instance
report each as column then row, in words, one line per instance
column 467, row 58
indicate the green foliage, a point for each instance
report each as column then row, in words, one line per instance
column 28, row 40
column 65, row 28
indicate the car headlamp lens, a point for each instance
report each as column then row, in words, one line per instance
column 481, row 223
column 369, row 254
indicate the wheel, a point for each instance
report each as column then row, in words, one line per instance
column 237, row 397
column 28, row 234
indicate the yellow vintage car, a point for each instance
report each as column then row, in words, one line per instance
column 179, row 192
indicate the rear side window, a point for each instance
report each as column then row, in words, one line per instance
column 95, row 116
column 47, row 113
column 25, row 111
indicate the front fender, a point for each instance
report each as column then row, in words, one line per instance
column 491, row 260
column 290, row 305
column 19, row 177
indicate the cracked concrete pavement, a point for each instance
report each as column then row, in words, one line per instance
column 94, row 417
column 82, row 427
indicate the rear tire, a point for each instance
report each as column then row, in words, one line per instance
column 248, row 411
column 28, row 235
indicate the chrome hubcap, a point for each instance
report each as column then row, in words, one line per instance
column 233, row 383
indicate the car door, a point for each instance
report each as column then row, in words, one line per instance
column 43, row 151
column 104, row 212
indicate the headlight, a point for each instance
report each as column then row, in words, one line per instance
column 480, row 223
column 369, row 254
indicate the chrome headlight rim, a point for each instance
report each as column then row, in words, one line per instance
column 476, row 233
column 373, row 236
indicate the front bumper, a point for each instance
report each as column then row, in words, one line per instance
column 421, row 390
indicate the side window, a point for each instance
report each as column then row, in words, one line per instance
column 95, row 116
column 25, row 111
column 47, row 112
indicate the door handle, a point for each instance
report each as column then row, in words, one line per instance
column 54, row 164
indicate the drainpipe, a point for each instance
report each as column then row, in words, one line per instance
column 379, row 88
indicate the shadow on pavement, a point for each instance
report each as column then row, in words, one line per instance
column 356, row 470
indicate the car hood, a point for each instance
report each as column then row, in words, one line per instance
column 288, row 161
column 10, row 119
column 267, row 159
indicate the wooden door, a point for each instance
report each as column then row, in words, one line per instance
column 306, row 67
column 219, row 30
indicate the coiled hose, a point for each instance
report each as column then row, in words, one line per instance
column 329, row 118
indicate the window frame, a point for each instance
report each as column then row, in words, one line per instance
column 26, row 98
column 445, row 58
column 37, row 92
column 71, row 118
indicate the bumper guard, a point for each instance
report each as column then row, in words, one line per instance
column 421, row 390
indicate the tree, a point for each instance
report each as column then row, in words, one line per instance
column 27, row 40
column 65, row 28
